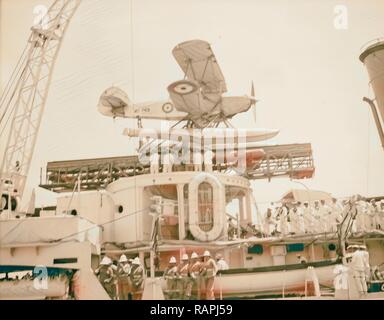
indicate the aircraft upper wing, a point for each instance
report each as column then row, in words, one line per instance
column 198, row 62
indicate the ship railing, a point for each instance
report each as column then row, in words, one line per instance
column 371, row 43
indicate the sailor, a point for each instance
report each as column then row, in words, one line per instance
column 17, row 166
column 283, row 224
column 106, row 276
column 137, row 278
column 362, row 216
column 294, row 220
column 123, row 280
column 170, row 275
column 370, row 221
column 336, row 214
column 317, row 223
column 326, row 217
column 359, row 268
column 366, row 260
column 381, row 215
column 221, row 263
column 168, row 162
column 302, row 259
column 269, row 223
column 208, row 160
column 197, row 160
column 376, row 215
column 154, row 162
column 183, row 280
column 308, row 218
column 194, row 284
column 208, row 272
column 300, row 218
column 340, row 283
column 231, row 229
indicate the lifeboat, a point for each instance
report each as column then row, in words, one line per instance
column 26, row 289
column 252, row 157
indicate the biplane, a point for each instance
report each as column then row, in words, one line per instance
column 197, row 99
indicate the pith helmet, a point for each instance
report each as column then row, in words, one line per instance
column 206, row 254
column 184, row 257
column 172, row 260
column 123, row 258
column 136, row 261
column 194, row 255
column 105, row 261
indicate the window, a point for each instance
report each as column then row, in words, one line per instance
column 205, row 206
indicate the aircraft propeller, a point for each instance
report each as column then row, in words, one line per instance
column 253, row 101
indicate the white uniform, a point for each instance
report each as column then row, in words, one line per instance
column 325, row 218
column 361, row 224
column 336, row 215
column 301, row 220
column 371, row 215
column 208, row 160
column 359, row 267
column 269, row 225
column 341, row 279
column 317, row 220
column 222, row 265
column 381, row 217
column 282, row 224
column 197, row 161
column 168, row 162
column 294, row 220
column 154, row 160
column 308, row 219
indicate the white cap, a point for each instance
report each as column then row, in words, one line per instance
column 136, row 261
column 206, row 254
column 184, row 257
column 172, row 260
column 106, row 261
column 123, row 258
column 194, row 255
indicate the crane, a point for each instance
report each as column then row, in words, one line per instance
column 24, row 98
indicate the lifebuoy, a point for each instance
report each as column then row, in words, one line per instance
column 382, row 287
column 218, row 207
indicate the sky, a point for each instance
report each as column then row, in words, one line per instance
column 302, row 58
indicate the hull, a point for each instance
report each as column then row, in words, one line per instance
column 28, row 290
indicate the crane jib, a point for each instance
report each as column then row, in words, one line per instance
column 28, row 95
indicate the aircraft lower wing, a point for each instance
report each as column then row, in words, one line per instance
column 187, row 97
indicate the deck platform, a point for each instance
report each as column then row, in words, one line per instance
column 291, row 160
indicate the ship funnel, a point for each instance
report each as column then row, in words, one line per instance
column 373, row 58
